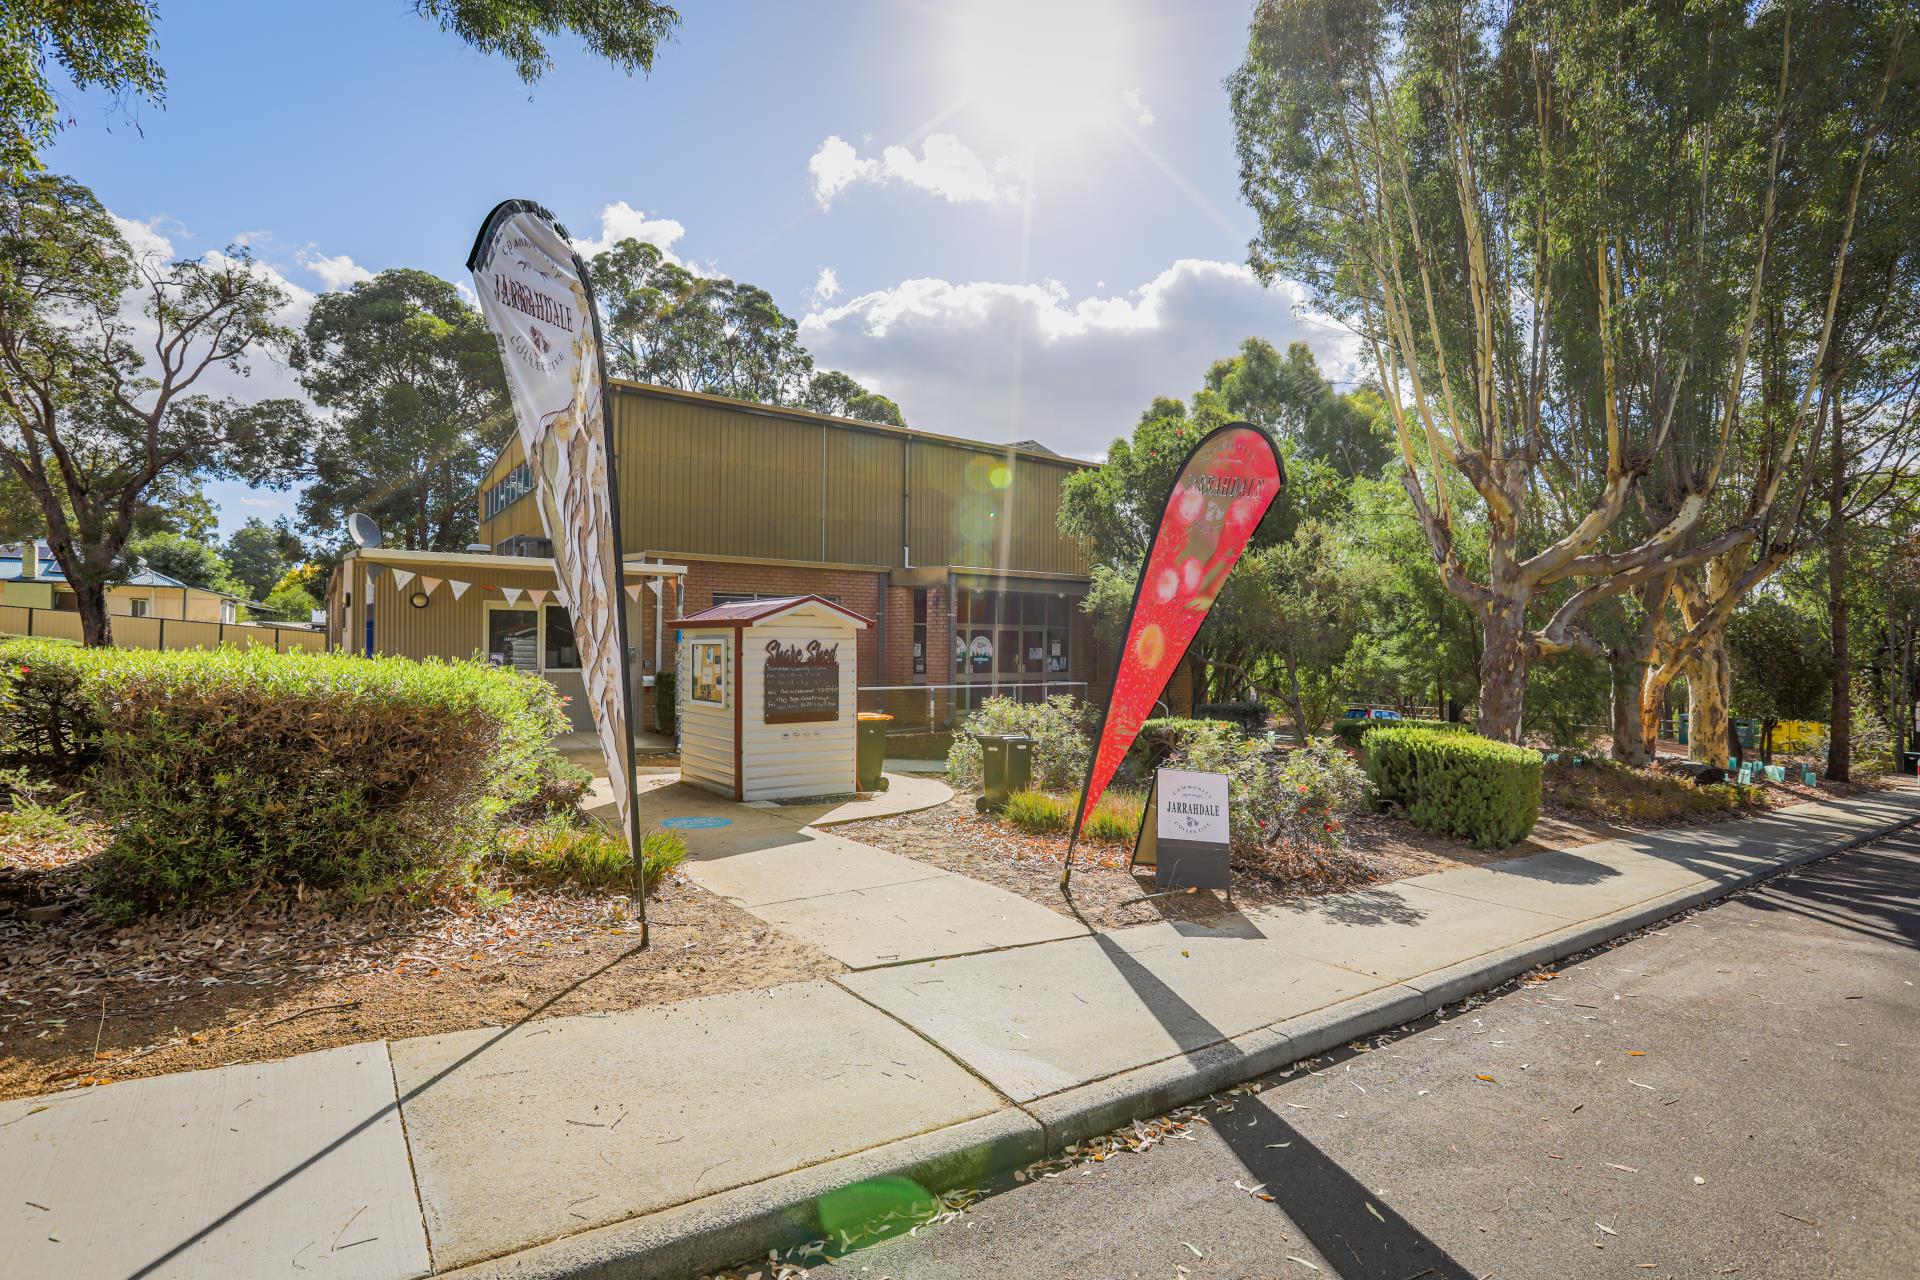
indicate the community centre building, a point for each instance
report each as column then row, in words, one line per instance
column 951, row 547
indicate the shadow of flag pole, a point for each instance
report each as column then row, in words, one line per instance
column 1219, row 498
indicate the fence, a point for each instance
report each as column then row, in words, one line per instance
column 930, row 708
column 161, row 633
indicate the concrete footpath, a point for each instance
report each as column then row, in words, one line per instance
column 670, row 1140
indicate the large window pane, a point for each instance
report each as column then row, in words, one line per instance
column 562, row 653
column 1033, row 651
column 513, row 638
column 1009, row 653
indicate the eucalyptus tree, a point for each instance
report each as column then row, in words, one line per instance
column 1550, row 222
column 103, row 421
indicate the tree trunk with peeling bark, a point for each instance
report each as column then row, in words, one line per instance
column 1709, row 688
column 1503, row 667
column 1840, row 713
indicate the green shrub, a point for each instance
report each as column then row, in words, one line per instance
column 665, row 710
column 558, row 851
column 1160, row 738
column 1297, row 798
column 1060, row 749
column 1457, row 784
column 48, row 729
column 1038, row 812
column 1248, row 717
column 558, row 786
column 227, row 769
column 1350, row 732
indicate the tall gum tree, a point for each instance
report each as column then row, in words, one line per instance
column 1550, row 225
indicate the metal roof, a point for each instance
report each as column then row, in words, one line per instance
column 50, row 571
column 746, row 612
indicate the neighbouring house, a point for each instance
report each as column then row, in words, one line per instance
column 31, row 578
column 951, row 546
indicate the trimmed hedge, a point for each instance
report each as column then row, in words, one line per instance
column 1248, row 717
column 1350, row 732
column 1457, row 784
column 224, row 770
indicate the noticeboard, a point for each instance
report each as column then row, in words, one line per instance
column 802, row 683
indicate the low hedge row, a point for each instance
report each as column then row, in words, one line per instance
column 1351, row 731
column 222, row 770
column 1457, row 784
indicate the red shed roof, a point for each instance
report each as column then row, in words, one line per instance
column 744, row 613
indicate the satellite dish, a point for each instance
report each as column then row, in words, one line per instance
column 364, row 532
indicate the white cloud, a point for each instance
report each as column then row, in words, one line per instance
column 336, row 272
column 145, row 238
column 826, row 287
column 1137, row 105
column 1071, row 373
column 621, row 221
column 945, row 166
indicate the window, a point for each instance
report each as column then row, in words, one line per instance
column 1001, row 636
column 739, row 597
column 708, row 682
column 920, row 631
column 137, row 608
column 524, row 544
column 561, row 653
column 513, row 638
column 229, row 612
column 506, row 491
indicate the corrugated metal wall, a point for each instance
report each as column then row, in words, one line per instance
column 707, row 478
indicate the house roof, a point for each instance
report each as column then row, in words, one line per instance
column 50, row 571
column 744, row 613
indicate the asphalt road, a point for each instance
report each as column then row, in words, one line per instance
column 1733, row 1094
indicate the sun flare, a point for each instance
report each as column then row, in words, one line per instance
column 1042, row 70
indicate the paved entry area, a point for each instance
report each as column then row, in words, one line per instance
column 863, row 906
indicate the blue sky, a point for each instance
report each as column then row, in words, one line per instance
column 1017, row 219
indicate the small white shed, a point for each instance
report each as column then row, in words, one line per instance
column 766, row 695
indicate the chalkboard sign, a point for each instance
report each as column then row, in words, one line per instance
column 802, row 682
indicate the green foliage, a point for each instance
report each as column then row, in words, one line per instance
column 1248, row 717
column 624, row 32
column 555, row 790
column 1116, row 819
column 1568, row 699
column 290, row 603
column 1038, row 812
column 1352, row 731
column 415, row 398
column 666, row 709
column 258, row 555
column 101, row 44
column 1295, row 798
column 1782, row 662
column 559, row 850
column 132, row 427
column 228, row 769
column 49, row 728
column 667, row 325
column 1161, row 737
column 1457, row 784
column 29, row 819
column 1060, row 747
column 192, row 562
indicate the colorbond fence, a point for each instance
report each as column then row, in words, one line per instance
column 162, row 633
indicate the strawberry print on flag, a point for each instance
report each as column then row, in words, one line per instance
column 1218, row 500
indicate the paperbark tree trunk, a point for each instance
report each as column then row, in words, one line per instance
column 1632, row 739
column 1503, row 668
column 1709, row 683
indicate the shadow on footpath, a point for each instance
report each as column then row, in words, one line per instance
column 1326, row 1203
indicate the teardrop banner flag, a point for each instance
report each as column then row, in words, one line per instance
column 1218, row 500
column 538, row 300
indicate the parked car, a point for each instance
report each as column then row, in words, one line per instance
column 1369, row 713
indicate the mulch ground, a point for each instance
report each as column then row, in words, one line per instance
column 84, row 1002
column 1380, row 848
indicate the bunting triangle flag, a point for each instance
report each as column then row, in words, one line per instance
column 456, row 586
column 633, row 590
column 401, row 577
column 512, row 594
column 429, row 585
column 539, row 594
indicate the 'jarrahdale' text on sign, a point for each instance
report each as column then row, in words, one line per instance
column 802, row 682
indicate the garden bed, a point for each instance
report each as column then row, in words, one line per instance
column 83, row 1001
